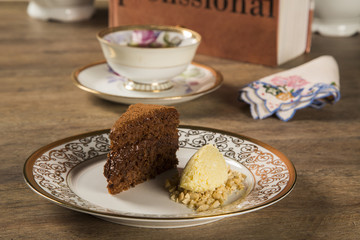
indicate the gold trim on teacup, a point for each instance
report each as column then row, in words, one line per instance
column 102, row 33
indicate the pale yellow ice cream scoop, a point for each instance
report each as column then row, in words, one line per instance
column 206, row 170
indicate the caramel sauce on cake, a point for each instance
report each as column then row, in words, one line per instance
column 144, row 141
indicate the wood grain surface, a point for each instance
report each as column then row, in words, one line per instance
column 40, row 104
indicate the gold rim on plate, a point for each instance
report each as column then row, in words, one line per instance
column 282, row 159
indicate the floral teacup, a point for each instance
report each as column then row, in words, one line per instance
column 149, row 56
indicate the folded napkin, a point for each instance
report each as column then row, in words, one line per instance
column 311, row 84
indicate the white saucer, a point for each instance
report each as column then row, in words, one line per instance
column 98, row 79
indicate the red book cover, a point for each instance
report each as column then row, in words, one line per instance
column 243, row 30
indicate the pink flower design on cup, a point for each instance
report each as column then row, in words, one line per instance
column 144, row 37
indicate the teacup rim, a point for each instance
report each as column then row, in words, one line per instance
column 105, row 31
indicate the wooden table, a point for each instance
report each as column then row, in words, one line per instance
column 40, row 104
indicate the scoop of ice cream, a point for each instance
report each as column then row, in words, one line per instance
column 206, row 170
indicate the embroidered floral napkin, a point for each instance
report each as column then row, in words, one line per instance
column 311, row 84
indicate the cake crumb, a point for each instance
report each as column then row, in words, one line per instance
column 202, row 201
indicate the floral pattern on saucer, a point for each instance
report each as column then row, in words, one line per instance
column 190, row 79
column 101, row 80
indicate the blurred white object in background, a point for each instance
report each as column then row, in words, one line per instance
column 61, row 10
column 337, row 18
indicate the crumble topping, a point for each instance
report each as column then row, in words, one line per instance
column 202, row 201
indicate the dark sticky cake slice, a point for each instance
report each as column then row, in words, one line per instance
column 144, row 141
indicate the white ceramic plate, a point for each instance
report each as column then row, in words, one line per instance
column 69, row 172
column 101, row 81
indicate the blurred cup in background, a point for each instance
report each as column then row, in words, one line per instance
column 337, row 18
column 61, row 10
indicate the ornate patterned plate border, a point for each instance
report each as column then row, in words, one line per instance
column 46, row 171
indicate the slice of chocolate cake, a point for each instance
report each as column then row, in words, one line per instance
column 144, row 141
